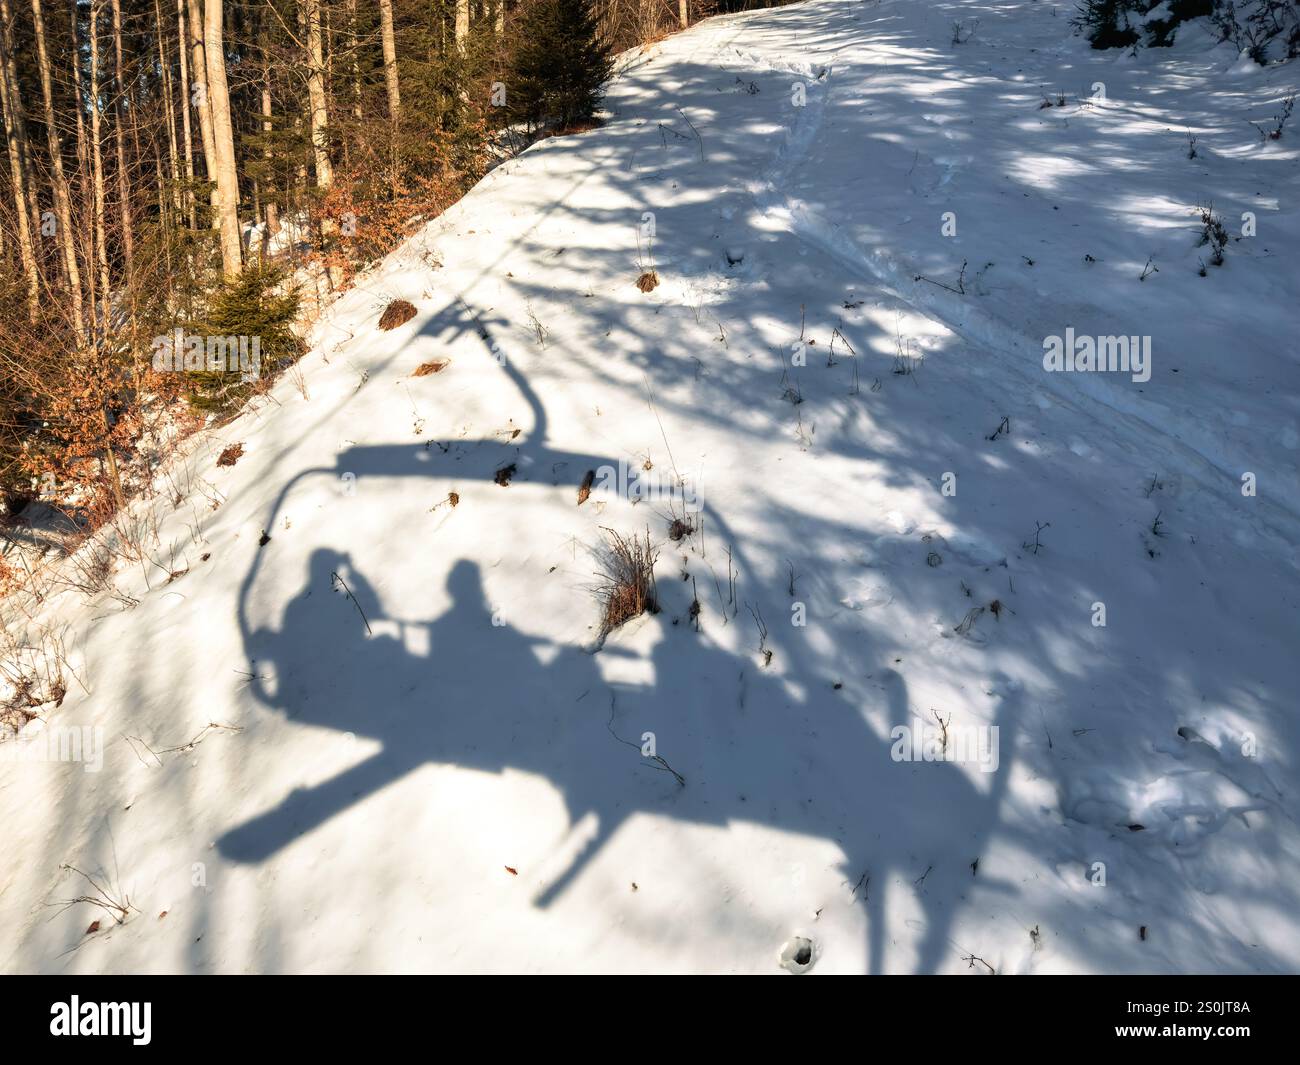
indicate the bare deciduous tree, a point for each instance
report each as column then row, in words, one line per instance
column 223, row 139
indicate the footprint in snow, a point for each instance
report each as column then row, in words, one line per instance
column 864, row 594
column 900, row 522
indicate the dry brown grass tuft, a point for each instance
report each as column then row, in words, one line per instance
column 426, row 368
column 648, row 281
column 399, row 312
column 628, row 586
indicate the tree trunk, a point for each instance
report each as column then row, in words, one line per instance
column 354, row 62
column 462, row 24
column 316, row 96
column 187, row 132
column 272, row 212
column 682, row 13
column 223, row 139
column 119, row 129
column 19, row 120
column 390, row 59
column 200, row 101
column 160, row 186
column 173, row 153
column 97, row 159
column 26, row 249
column 18, row 174
column 88, row 231
column 114, row 477
column 62, row 198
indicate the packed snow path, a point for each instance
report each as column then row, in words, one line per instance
column 429, row 774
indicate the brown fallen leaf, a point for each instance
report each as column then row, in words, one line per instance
column 94, row 927
column 426, row 368
column 230, row 455
column 512, row 871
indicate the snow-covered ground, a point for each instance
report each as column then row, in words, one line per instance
column 448, row 790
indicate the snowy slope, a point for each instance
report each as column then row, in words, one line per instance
column 385, row 784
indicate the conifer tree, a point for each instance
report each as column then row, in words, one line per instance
column 1106, row 22
column 561, row 64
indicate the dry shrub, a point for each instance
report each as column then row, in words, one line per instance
column 399, row 312
column 16, row 711
column 571, row 129
column 31, row 678
column 406, row 176
column 92, row 567
column 426, row 368
column 627, row 589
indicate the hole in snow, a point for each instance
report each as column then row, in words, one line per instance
column 797, row 954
